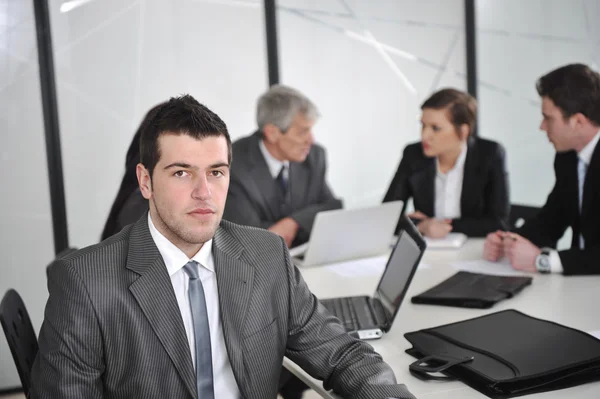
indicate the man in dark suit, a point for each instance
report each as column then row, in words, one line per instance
column 571, row 119
column 184, row 305
column 278, row 176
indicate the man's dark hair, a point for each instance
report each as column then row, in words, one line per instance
column 462, row 107
column 179, row 115
column 574, row 88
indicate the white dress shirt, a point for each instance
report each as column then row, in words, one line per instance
column 448, row 188
column 223, row 380
column 273, row 163
column 584, row 155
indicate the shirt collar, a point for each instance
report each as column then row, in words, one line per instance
column 174, row 257
column 460, row 161
column 586, row 153
column 273, row 163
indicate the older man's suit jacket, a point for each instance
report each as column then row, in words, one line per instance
column 253, row 198
column 561, row 211
column 484, row 202
column 113, row 328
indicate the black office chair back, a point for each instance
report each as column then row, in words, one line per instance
column 519, row 214
column 19, row 334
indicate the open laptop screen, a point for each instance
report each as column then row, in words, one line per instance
column 399, row 272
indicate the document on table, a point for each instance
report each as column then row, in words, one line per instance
column 372, row 266
column 501, row 268
column 451, row 241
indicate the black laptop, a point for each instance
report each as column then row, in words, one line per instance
column 370, row 317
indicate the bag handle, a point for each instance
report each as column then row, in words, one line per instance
column 423, row 368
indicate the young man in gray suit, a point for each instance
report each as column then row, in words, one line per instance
column 278, row 177
column 182, row 304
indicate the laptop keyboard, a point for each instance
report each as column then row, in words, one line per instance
column 353, row 312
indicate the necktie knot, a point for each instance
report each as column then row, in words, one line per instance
column 191, row 268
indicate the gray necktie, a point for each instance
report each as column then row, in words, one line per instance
column 204, row 373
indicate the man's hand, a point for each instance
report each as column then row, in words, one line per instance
column 418, row 215
column 521, row 252
column 287, row 228
column 493, row 247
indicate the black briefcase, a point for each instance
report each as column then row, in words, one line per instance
column 473, row 290
column 506, row 354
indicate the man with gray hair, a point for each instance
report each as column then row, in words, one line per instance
column 278, row 176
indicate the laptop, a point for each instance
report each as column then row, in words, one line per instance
column 370, row 317
column 344, row 234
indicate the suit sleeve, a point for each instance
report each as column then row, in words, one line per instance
column 239, row 209
column 496, row 197
column 318, row 343
column 305, row 217
column 550, row 223
column 70, row 362
column 399, row 188
column 580, row 262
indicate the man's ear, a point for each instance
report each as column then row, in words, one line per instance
column 580, row 120
column 271, row 133
column 144, row 180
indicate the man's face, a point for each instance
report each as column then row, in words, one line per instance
column 188, row 188
column 560, row 131
column 294, row 145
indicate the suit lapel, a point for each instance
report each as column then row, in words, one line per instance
column 234, row 281
column 299, row 177
column 590, row 190
column 162, row 310
column 423, row 182
column 262, row 178
column 470, row 174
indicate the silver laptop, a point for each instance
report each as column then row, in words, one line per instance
column 370, row 317
column 342, row 234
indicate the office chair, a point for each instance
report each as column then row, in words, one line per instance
column 519, row 214
column 19, row 334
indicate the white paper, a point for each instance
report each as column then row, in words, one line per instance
column 451, row 241
column 502, row 268
column 365, row 267
column 360, row 267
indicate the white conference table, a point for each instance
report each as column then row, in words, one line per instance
column 565, row 300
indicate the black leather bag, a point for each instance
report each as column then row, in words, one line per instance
column 473, row 290
column 506, row 354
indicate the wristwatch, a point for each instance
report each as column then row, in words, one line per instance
column 542, row 261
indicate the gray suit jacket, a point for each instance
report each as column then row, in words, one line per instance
column 253, row 198
column 113, row 329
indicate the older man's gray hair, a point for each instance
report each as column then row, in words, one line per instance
column 280, row 105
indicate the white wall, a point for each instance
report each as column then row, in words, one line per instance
column 115, row 59
column 26, row 244
column 368, row 66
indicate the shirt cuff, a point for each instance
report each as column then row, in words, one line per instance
column 555, row 263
